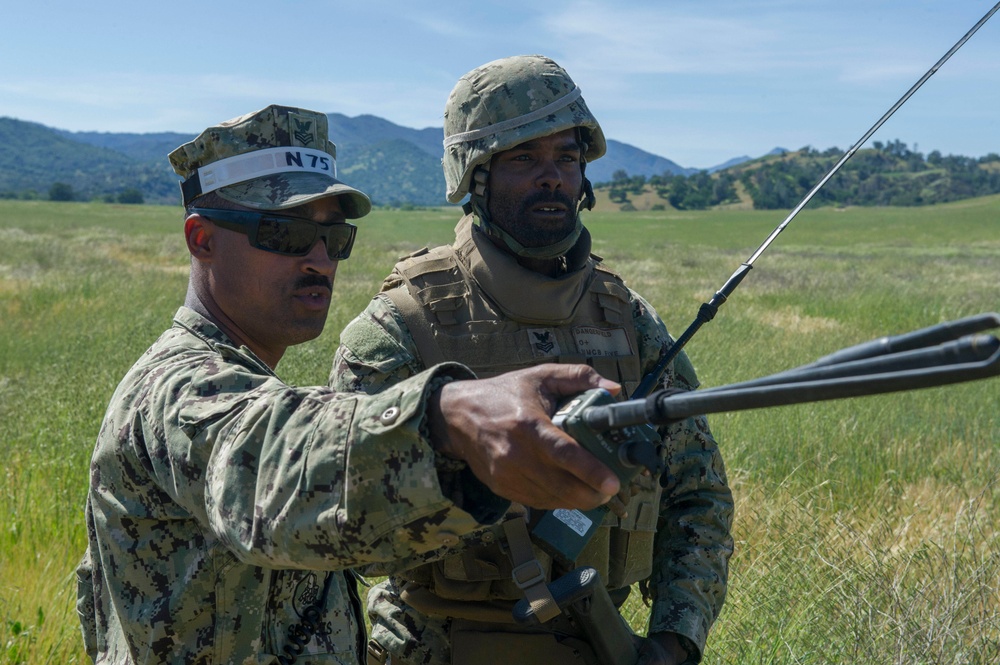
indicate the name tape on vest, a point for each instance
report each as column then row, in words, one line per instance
column 594, row 342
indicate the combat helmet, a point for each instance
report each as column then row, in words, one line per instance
column 500, row 105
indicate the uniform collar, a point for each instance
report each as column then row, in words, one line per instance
column 521, row 294
column 201, row 326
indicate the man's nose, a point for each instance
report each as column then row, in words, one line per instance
column 318, row 259
column 549, row 175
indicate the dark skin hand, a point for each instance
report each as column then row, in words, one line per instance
column 502, row 428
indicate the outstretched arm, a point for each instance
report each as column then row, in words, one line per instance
column 501, row 427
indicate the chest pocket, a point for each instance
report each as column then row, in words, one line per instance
column 290, row 594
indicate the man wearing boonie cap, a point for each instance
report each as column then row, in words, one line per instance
column 519, row 287
column 227, row 507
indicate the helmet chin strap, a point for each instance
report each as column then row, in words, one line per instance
column 478, row 204
column 553, row 251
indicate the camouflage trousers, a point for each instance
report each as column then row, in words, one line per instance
column 401, row 635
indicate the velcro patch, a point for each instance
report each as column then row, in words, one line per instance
column 544, row 342
column 368, row 340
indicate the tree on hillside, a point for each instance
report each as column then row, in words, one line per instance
column 698, row 191
column 60, row 191
column 887, row 174
column 131, row 195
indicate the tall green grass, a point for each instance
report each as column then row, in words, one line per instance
column 866, row 529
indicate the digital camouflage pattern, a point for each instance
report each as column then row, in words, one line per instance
column 271, row 127
column 222, row 505
column 505, row 103
column 692, row 545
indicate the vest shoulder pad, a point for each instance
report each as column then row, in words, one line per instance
column 418, row 267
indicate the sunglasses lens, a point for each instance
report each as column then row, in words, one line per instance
column 340, row 240
column 286, row 236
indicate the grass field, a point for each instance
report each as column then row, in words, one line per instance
column 867, row 530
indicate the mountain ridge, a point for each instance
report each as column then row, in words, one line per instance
column 395, row 165
column 401, row 166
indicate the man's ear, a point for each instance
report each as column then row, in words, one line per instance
column 198, row 234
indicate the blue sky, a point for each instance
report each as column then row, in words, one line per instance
column 695, row 81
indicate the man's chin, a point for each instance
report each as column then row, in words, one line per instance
column 306, row 328
column 544, row 231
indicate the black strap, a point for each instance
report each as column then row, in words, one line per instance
column 191, row 188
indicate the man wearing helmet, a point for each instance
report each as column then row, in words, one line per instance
column 520, row 287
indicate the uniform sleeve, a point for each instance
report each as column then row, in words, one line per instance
column 693, row 540
column 309, row 478
column 86, row 604
column 376, row 350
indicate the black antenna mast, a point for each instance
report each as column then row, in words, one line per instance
column 708, row 310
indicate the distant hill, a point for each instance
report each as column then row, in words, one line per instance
column 140, row 147
column 632, row 160
column 736, row 161
column 887, row 174
column 394, row 165
column 33, row 157
column 368, row 130
column 393, row 172
column 362, row 144
column 399, row 166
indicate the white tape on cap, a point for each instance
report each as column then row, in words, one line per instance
column 265, row 162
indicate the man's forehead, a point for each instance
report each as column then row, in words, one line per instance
column 564, row 140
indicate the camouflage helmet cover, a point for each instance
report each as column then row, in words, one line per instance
column 504, row 103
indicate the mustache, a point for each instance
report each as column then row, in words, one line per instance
column 556, row 196
column 313, row 280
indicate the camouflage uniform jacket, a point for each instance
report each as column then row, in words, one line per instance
column 693, row 542
column 222, row 501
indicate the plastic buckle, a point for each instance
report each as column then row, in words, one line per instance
column 377, row 654
column 532, row 568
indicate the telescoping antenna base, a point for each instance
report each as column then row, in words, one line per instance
column 948, row 353
column 622, row 436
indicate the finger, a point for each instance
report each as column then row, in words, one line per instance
column 546, row 488
column 564, row 491
column 587, row 468
column 569, row 380
column 617, row 506
column 531, row 468
column 558, row 473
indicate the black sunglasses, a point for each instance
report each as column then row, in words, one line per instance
column 291, row 236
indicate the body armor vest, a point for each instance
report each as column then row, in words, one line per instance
column 474, row 304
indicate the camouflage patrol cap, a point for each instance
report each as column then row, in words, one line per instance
column 276, row 158
column 504, row 103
